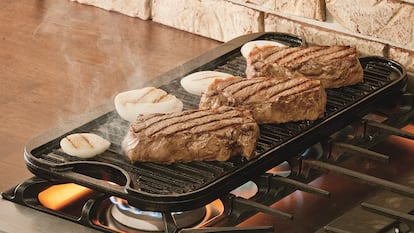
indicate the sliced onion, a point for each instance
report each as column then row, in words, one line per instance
column 198, row 83
column 84, row 145
column 248, row 47
column 130, row 104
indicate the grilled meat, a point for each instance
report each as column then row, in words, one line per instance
column 335, row 66
column 271, row 100
column 191, row 135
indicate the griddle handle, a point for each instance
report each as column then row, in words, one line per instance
column 96, row 175
column 97, row 184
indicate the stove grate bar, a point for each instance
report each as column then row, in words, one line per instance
column 390, row 129
column 260, row 207
column 259, row 229
column 361, row 177
column 345, row 147
column 301, row 186
column 170, row 225
column 330, row 229
column 397, row 215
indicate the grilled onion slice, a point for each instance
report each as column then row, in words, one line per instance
column 198, row 82
column 130, row 104
column 84, row 145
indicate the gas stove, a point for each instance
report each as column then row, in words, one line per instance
column 349, row 172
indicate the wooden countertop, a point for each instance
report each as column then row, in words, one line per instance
column 60, row 59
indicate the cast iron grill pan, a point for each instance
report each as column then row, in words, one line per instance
column 184, row 186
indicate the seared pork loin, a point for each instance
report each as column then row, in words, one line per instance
column 214, row 134
column 335, row 66
column 271, row 100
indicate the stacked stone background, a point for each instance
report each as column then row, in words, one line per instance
column 376, row 27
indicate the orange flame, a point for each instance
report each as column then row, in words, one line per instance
column 59, row 196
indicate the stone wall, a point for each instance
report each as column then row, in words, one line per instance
column 375, row 27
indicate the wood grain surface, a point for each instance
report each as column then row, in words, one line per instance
column 60, row 59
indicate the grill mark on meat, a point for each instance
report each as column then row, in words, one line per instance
column 282, row 53
column 303, row 55
column 288, row 87
column 188, row 124
column 172, row 124
column 263, row 52
column 292, row 87
column 260, row 55
column 338, row 55
column 306, row 86
column 297, row 55
column 240, row 85
column 228, row 82
column 154, row 119
column 215, row 126
column 257, row 89
column 248, row 90
column 321, row 53
column 147, row 121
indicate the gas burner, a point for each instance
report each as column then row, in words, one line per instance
column 284, row 169
column 125, row 217
column 246, row 191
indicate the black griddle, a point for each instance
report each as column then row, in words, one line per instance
column 185, row 186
